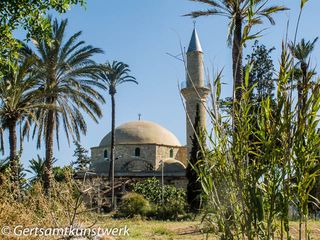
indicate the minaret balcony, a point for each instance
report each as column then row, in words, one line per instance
column 186, row 84
column 193, row 92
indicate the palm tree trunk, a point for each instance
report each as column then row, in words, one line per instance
column 112, row 152
column 47, row 177
column 237, row 59
column 13, row 155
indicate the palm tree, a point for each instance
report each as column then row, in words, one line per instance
column 37, row 168
column 238, row 12
column 66, row 78
column 114, row 74
column 302, row 74
column 18, row 102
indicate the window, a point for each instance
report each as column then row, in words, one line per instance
column 105, row 154
column 171, row 153
column 137, row 152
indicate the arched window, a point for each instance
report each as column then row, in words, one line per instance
column 171, row 153
column 105, row 154
column 137, row 152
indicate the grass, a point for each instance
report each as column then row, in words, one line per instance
column 166, row 230
column 145, row 230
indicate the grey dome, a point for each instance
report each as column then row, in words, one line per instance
column 141, row 132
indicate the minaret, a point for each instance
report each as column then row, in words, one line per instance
column 195, row 91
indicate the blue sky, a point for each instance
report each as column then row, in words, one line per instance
column 140, row 33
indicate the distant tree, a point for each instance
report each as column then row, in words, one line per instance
column 261, row 75
column 262, row 72
column 194, row 188
column 82, row 161
column 114, row 74
column 62, row 174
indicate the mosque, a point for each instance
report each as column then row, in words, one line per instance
column 146, row 149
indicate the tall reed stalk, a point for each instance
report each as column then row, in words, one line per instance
column 253, row 176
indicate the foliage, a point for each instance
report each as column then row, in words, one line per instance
column 62, row 209
column 82, row 159
column 243, row 16
column 261, row 76
column 250, row 185
column 314, row 199
column 19, row 98
column 66, row 79
column 168, row 202
column 4, row 165
column 62, row 174
column 261, row 73
column 112, row 75
column 306, row 160
column 133, row 204
column 194, row 189
column 27, row 15
column 169, row 211
column 36, row 168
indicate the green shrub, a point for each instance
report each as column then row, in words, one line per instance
column 133, row 204
column 173, row 203
column 170, row 211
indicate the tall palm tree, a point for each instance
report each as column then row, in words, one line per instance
column 114, row 74
column 301, row 52
column 19, row 99
column 238, row 12
column 66, row 78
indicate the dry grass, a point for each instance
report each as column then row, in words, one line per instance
column 37, row 211
column 156, row 230
column 145, row 230
column 138, row 229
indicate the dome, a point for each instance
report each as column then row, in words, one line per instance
column 141, row 132
column 172, row 165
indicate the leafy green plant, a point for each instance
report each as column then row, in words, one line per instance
column 28, row 15
column 167, row 203
column 133, row 204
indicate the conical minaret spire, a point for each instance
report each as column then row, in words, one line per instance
column 195, row 91
column 194, row 44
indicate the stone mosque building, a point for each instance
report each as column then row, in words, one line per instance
column 146, row 149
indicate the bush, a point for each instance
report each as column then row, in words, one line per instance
column 170, row 211
column 173, row 203
column 133, row 204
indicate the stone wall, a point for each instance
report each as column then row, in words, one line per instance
column 127, row 162
column 125, row 157
column 182, row 155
